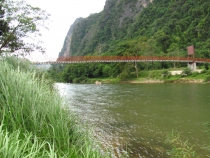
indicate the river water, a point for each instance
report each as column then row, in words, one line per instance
column 138, row 117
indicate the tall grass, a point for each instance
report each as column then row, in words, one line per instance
column 12, row 145
column 30, row 111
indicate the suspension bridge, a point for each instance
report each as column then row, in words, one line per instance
column 108, row 59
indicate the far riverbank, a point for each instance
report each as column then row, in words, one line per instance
column 182, row 80
column 148, row 81
column 160, row 76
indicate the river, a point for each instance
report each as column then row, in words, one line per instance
column 138, row 117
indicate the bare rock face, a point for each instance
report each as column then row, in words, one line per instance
column 67, row 43
column 109, row 4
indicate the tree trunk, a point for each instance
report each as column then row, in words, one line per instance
column 136, row 68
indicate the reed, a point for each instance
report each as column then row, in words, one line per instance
column 29, row 107
column 179, row 149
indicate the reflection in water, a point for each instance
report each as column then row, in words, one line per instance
column 137, row 117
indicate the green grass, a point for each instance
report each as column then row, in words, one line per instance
column 159, row 74
column 14, row 145
column 180, row 149
column 34, row 117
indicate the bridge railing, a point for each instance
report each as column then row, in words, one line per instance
column 76, row 59
column 202, row 60
column 123, row 58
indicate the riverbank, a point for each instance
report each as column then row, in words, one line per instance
column 181, row 80
column 148, row 81
column 161, row 76
column 35, row 121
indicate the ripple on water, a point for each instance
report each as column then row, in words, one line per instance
column 137, row 118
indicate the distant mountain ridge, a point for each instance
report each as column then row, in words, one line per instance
column 141, row 27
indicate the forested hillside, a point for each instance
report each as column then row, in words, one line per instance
column 143, row 27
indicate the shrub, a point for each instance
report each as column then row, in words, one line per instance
column 186, row 72
column 166, row 74
column 207, row 79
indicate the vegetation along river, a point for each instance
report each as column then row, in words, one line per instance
column 138, row 117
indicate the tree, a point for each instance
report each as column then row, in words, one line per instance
column 163, row 40
column 24, row 22
column 107, row 71
column 3, row 23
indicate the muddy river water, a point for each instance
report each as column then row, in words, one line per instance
column 138, row 117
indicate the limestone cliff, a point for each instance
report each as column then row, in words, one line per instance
column 91, row 35
column 67, row 43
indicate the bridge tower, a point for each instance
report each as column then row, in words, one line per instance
column 191, row 53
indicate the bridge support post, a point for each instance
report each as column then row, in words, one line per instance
column 192, row 66
column 191, row 53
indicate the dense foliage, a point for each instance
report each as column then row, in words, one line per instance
column 3, row 24
column 82, row 72
column 115, row 72
column 176, row 24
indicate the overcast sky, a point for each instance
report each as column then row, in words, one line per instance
column 63, row 14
